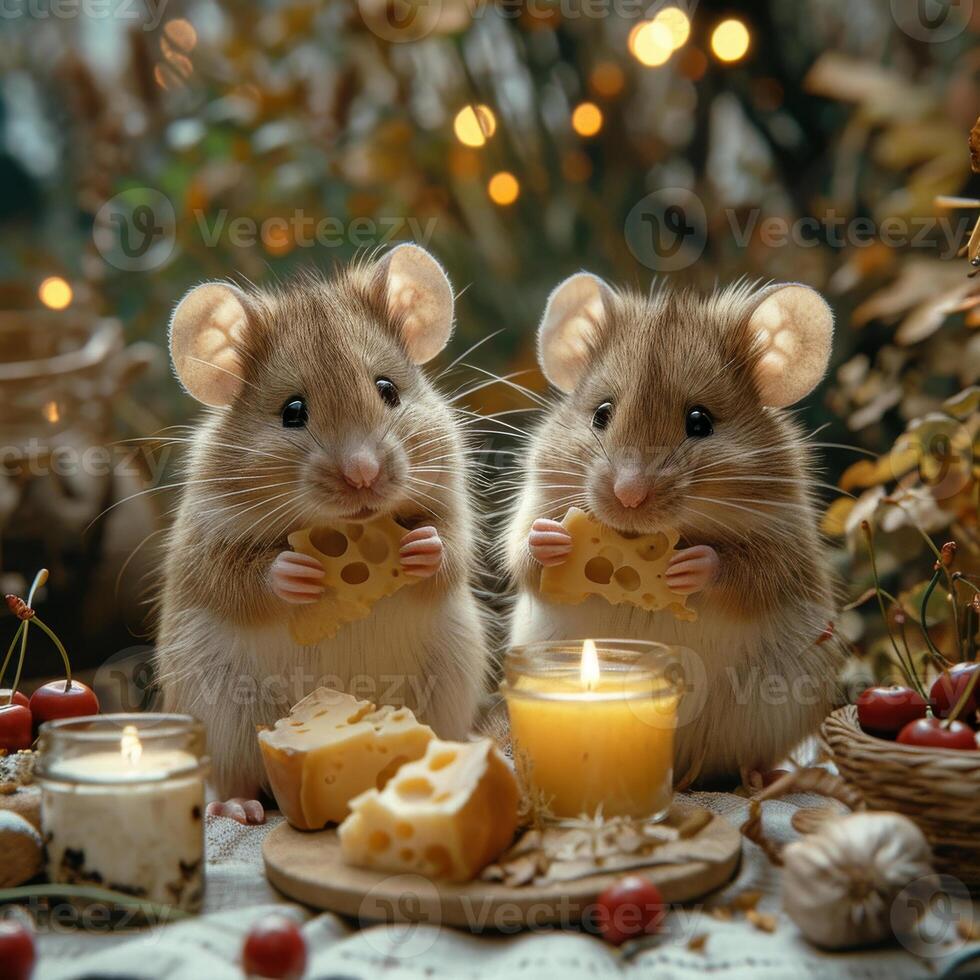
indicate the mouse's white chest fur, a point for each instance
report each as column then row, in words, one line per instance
column 426, row 656
column 752, row 690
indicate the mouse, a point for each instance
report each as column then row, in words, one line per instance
column 671, row 411
column 318, row 410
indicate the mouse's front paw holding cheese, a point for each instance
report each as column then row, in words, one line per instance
column 549, row 542
column 420, row 552
column 693, row 569
column 297, row 578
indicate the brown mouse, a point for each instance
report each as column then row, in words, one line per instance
column 672, row 415
column 319, row 411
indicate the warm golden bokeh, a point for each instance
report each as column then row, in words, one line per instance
column 55, row 293
column 503, row 188
column 730, row 40
column 474, row 125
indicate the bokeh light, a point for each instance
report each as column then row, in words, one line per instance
column 474, row 125
column 606, row 79
column 730, row 40
column 55, row 293
column 651, row 43
column 677, row 22
column 587, row 119
column 503, row 188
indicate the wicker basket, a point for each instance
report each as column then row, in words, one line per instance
column 937, row 788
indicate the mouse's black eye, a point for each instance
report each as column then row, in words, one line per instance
column 387, row 391
column 698, row 422
column 294, row 413
column 602, row 416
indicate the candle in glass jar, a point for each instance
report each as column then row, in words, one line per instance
column 593, row 725
column 122, row 805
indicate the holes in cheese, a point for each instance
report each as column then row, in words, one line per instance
column 331, row 748
column 619, row 567
column 447, row 815
column 362, row 566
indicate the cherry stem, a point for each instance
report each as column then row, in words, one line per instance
column 6, row 659
column 926, row 596
column 61, row 649
column 39, row 579
column 964, row 697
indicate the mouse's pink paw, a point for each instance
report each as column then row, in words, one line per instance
column 242, row 810
column 421, row 552
column 692, row 569
column 549, row 542
column 297, row 578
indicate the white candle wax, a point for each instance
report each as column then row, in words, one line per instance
column 130, row 819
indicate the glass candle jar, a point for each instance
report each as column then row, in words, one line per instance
column 122, row 804
column 593, row 723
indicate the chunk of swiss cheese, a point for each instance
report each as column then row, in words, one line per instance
column 447, row 816
column 618, row 567
column 361, row 566
column 331, row 748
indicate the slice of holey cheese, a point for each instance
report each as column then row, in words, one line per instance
column 447, row 816
column 332, row 747
column 362, row 566
column 619, row 567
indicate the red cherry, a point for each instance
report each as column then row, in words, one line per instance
column 275, row 948
column 885, row 711
column 18, row 698
column 938, row 734
column 17, row 952
column 949, row 687
column 16, row 728
column 51, row 701
column 630, row 907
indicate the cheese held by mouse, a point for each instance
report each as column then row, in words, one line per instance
column 319, row 414
column 672, row 419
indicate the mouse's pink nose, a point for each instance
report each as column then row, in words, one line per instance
column 630, row 489
column 361, row 469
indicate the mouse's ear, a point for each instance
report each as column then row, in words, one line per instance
column 419, row 298
column 571, row 324
column 206, row 327
column 793, row 327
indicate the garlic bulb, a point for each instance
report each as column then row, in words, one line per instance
column 841, row 881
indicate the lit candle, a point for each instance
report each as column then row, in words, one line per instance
column 593, row 725
column 122, row 805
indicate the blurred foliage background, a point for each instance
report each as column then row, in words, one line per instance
column 146, row 148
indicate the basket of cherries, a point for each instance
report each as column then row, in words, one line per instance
column 913, row 748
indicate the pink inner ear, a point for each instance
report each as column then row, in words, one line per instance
column 206, row 326
column 793, row 327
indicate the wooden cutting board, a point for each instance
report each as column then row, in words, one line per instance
column 308, row 867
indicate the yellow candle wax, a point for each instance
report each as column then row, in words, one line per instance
column 596, row 735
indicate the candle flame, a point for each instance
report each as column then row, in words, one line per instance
column 589, row 671
column 130, row 745
column 51, row 412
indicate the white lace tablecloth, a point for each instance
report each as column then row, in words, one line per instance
column 238, row 895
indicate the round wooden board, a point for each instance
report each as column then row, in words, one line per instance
column 308, row 867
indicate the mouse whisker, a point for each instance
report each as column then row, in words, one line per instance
column 466, row 353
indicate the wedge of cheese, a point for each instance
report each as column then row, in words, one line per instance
column 362, row 566
column 332, row 747
column 446, row 816
column 619, row 567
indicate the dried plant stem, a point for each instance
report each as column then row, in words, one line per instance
column 907, row 668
